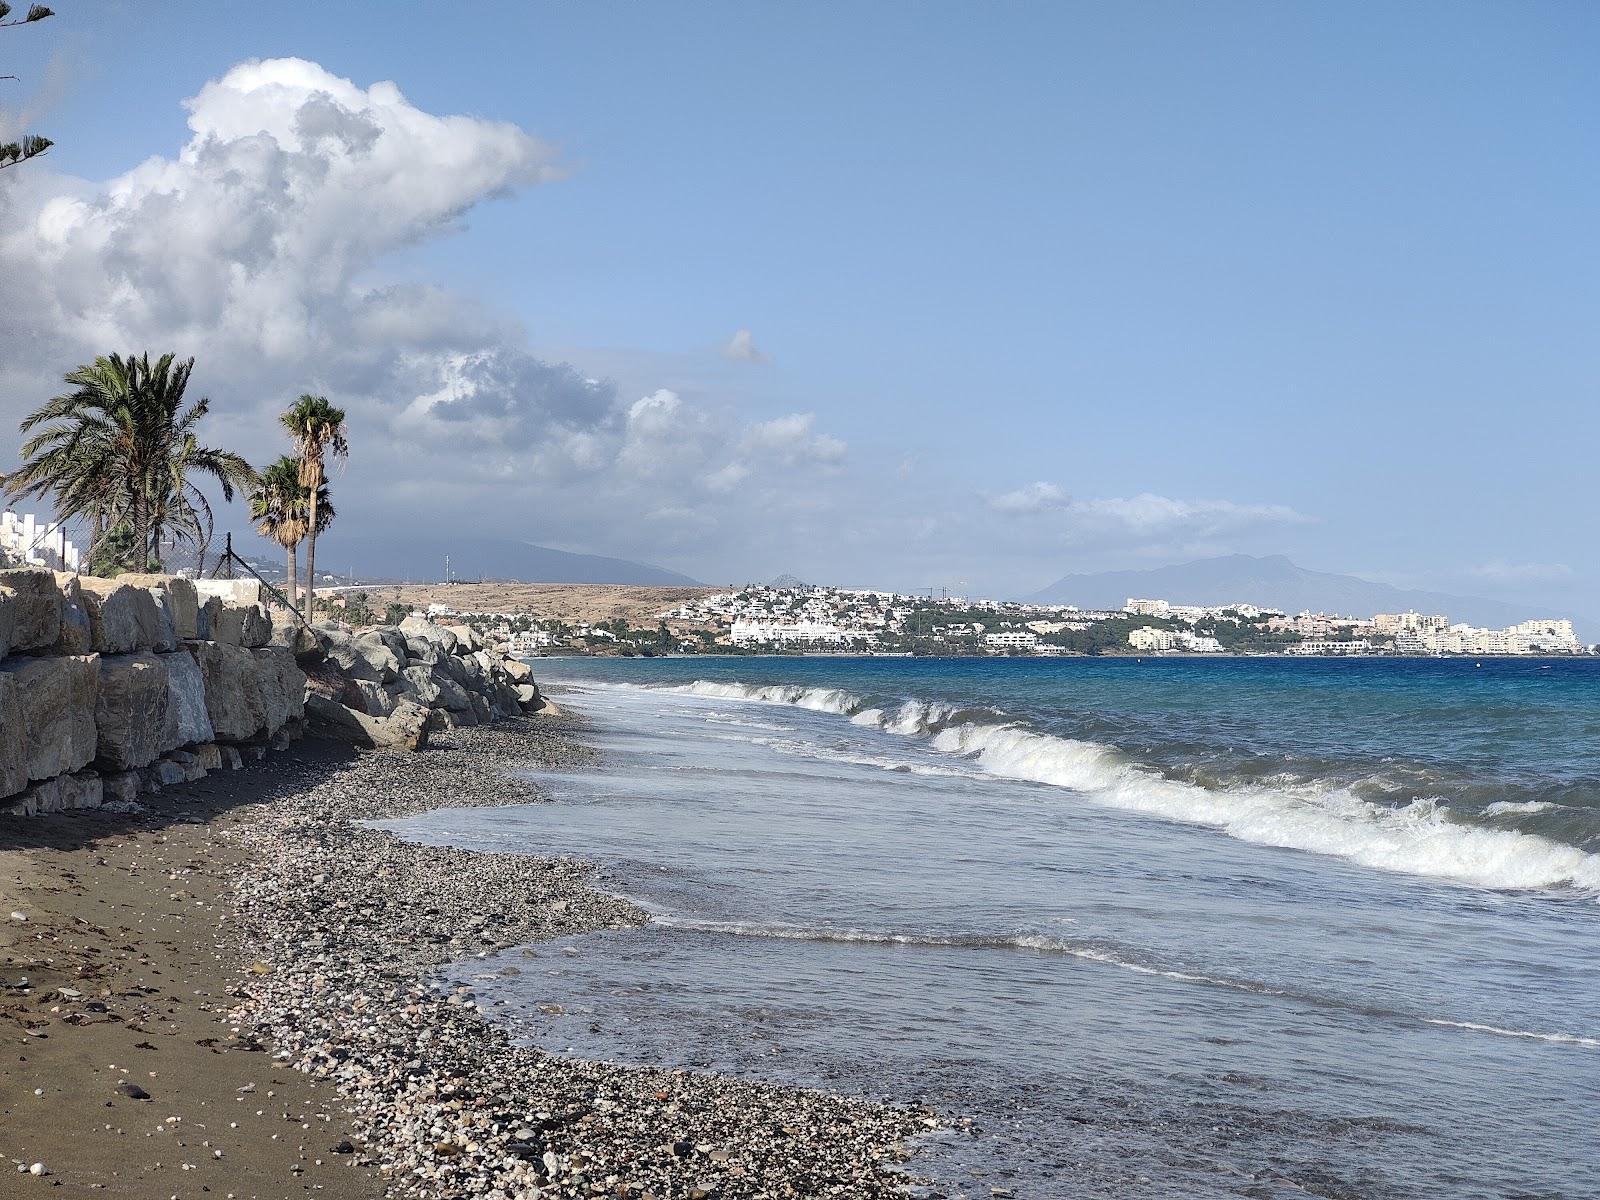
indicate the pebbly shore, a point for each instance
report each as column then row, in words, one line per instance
column 342, row 930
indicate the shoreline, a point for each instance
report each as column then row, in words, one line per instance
column 334, row 934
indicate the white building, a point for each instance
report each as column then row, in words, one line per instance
column 1152, row 640
column 1011, row 639
column 26, row 539
column 530, row 640
column 794, row 633
column 1344, row 649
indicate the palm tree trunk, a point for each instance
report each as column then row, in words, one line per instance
column 311, row 549
column 293, row 584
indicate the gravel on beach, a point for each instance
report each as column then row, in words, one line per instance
column 342, row 928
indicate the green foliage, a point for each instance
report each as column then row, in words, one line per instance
column 32, row 145
column 395, row 612
column 117, row 551
column 121, row 449
column 317, row 428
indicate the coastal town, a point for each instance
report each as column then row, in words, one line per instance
column 795, row 618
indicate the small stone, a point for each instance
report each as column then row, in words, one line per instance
column 132, row 1090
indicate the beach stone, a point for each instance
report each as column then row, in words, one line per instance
column 231, row 758
column 33, row 611
column 177, row 595
column 210, row 756
column 519, row 672
column 187, row 718
column 122, row 618
column 130, row 711
column 380, row 655
column 421, row 627
column 528, row 695
column 56, row 703
column 165, row 773
column 421, row 650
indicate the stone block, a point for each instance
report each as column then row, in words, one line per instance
column 32, row 620
column 180, row 600
column 61, row 794
column 130, row 711
column 187, row 718
column 55, row 700
column 120, row 786
column 122, row 618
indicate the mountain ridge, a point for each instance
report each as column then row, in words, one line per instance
column 505, row 559
column 1273, row 581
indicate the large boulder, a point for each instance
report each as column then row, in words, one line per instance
column 421, row 650
column 380, row 654
column 228, row 679
column 77, row 635
column 55, row 708
column 187, row 719
column 13, row 738
column 31, row 619
column 421, row 627
column 61, row 794
column 122, row 618
column 517, row 670
column 404, row 729
column 255, row 626
column 165, row 636
column 467, row 639
column 291, row 634
column 206, row 618
column 131, row 711
column 371, row 698
column 281, row 685
column 180, row 599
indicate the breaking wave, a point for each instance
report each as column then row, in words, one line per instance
column 1417, row 838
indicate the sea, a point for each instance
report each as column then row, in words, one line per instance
column 1170, row 927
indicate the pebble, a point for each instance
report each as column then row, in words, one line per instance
column 357, row 925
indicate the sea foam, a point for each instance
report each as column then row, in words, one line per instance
column 1418, row 838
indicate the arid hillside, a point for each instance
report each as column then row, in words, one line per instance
column 570, row 602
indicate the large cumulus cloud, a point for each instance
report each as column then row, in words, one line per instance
column 260, row 247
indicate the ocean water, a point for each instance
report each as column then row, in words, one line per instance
column 1178, row 927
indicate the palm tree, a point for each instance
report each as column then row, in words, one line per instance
column 317, row 428
column 281, row 509
column 120, row 448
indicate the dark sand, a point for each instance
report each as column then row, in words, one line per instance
column 127, row 910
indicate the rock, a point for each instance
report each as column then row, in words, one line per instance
column 187, row 719
column 61, row 794
column 165, row 636
column 528, row 695
column 13, row 738
column 370, row 698
column 177, row 595
column 210, row 756
column 518, row 671
column 130, row 711
column 255, row 627
column 165, row 773
column 281, row 686
column 189, row 764
column 231, row 758
column 467, row 639
column 421, row 627
column 290, row 633
column 76, row 635
column 405, row 729
column 481, row 709
column 421, row 650
column 32, row 610
column 122, row 618
column 206, row 617
column 120, row 786
column 228, row 680
column 56, row 707
column 132, row 1090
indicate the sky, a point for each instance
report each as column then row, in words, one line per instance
column 905, row 294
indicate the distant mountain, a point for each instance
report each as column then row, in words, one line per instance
column 787, row 581
column 422, row 559
column 1274, row 582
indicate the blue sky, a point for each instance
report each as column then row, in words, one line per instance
column 1056, row 287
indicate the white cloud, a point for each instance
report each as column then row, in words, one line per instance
column 1036, row 497
column 260, row 246
column 741, row 347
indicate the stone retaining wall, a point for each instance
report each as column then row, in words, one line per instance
column 110, row 687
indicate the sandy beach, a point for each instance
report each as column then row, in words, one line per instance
column 232, row 993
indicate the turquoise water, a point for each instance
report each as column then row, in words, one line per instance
column 1245, row 927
